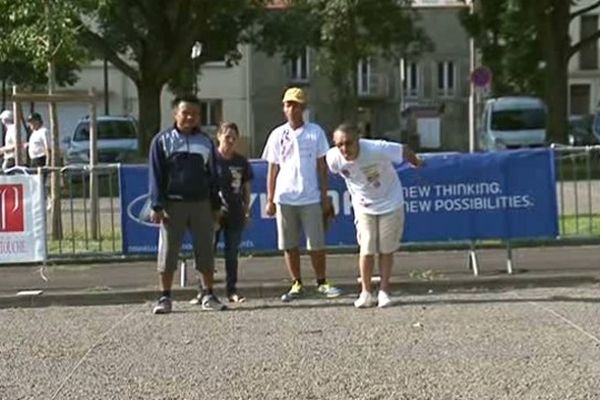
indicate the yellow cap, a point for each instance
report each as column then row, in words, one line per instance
column 294, row 94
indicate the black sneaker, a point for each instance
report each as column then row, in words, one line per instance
column 210, row 302
column 163, row 306
column 236, row 298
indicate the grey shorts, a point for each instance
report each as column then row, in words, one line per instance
column 196, row 217
column 291, row 220
column 379, row 234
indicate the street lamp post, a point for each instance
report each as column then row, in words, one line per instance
column 472, row 128
column 196, row 52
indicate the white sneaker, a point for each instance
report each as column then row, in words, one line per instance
column 365, row 300
column 383, row 299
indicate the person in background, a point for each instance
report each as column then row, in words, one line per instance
column 184, row 196
column 234, row 175
column 10, row 139
column 297, row 192
column 367, row 167
column 38, row 146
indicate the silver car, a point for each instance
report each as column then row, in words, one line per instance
column 513, row 122
column 117, row 140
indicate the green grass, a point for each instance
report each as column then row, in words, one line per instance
column 76, row 243
column 582, row 225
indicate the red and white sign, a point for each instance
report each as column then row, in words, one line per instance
column 22, row 219
column 481, row 76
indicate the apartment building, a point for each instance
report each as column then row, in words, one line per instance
column 429, row 103
column 429, row 98
column 584, row 67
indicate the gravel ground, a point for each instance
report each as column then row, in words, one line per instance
column 525, row 344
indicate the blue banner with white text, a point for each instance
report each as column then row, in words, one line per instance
column 454, row 197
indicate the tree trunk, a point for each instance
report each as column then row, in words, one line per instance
column 149, row 113
column 555, row 42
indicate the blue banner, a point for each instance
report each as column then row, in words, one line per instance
column 499, row 195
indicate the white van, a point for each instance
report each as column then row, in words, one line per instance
column 512, row 123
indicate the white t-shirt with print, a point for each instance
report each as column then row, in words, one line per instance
column 371, row 178
column 296, row 152
column 38, row 143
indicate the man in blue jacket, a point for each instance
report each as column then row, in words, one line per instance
column 184, row 196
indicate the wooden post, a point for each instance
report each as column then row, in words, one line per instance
column 17, row 122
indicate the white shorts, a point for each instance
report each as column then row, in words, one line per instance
column 379, row 234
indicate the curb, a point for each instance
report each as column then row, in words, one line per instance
column 406, row 247
column 275, row 289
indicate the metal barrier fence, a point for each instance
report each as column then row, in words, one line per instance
column 577, row 191
column 85, row 226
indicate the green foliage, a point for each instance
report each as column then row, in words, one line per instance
column 509, row 45
column 150, row 41
column 342, row 32
column 30, row 40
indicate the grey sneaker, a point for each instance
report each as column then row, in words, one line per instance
column 210, row 302
column 295, row 292
column 328, row 290
column 163, row 306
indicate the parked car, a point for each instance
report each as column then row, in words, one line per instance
column 512, row 123
column 581, row 131
column 117, row 140
column 596, row 126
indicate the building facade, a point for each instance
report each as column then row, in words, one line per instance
column 424, row 98
column 584, row 66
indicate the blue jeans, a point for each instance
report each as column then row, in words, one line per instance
column 232, row 237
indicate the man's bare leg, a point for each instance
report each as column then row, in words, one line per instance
column 366, row 263
column 292, row 261
column 386, row 262
column 166, row 280
column 317, row 257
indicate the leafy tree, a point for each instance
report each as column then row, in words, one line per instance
column 342, row 32
column 527, row 46
column 150, row 41
column 38, row 35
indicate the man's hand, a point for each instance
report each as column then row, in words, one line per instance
column 328, row 212
column 159, row 217
column 217, row 215
column 419, row 162
column 270, row 209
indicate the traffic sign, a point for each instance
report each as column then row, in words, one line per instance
column 481, row 76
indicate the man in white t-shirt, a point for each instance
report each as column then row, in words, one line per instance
column 368, row 169
column 297, row 192
column 10, row 139
column 38, row 146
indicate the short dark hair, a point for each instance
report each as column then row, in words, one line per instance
column 223, row 126
column 349, row 129
column 34, row 116
column 186, row 98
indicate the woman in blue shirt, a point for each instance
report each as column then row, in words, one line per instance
column 234, row 174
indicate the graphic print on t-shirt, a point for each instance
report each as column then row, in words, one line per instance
column 236, row 178
column 287, row 145
column 372, row 174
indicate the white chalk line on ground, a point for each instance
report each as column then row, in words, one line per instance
column 92, row 347
column 563, row 318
